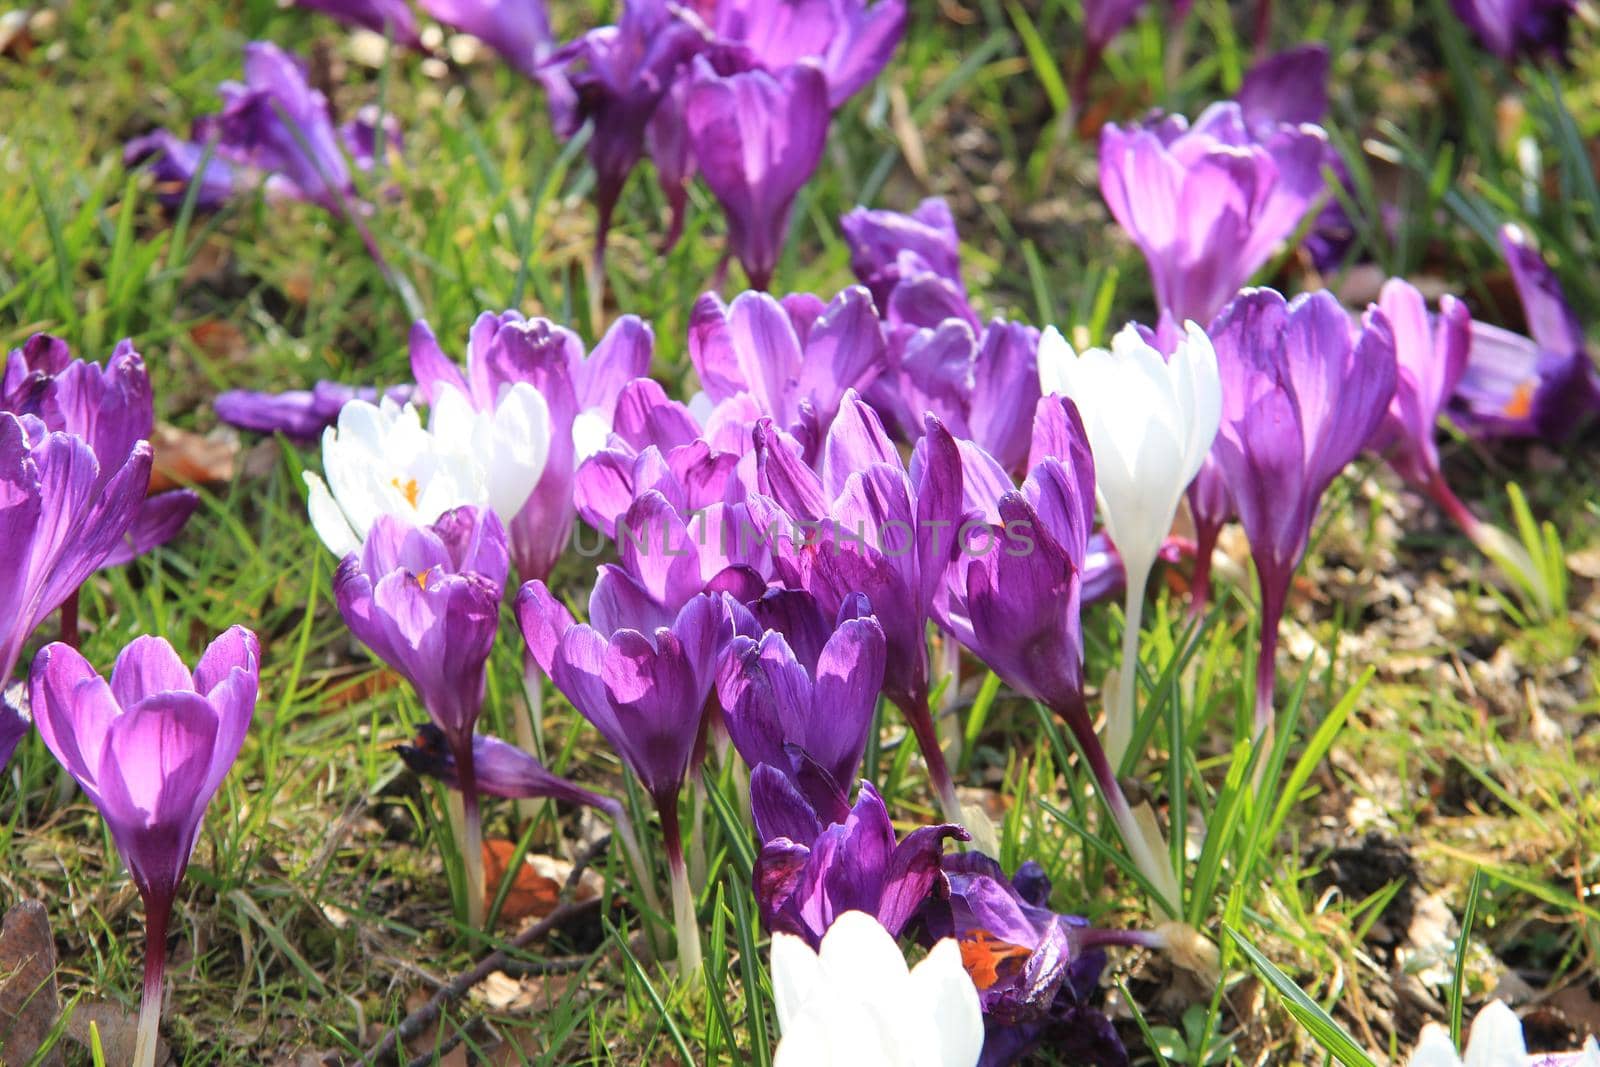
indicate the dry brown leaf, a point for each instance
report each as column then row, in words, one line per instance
column 535, row 889
column 28, row 1004
column 118, row 1029
column 183, row 457
column 220, row 339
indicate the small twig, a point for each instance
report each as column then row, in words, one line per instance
column 418, row 1021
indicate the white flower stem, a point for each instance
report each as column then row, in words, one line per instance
column 528, row 728
column 148, row 1038
column 684, row 921
column 1119, row 720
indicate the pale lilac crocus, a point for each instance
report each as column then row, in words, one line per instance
column 150, row 749
column 873, row 528
column 1302, row 394
column 1540, row 386
column 850, row 40
column 426, row 601
column 644, row 687
column 1208, row 204
column 517, row 29
column 757, row 137
column 580, row 389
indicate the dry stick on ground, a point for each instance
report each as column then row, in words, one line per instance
column 425, row 1016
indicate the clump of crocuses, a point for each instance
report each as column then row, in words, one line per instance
column 150, row 749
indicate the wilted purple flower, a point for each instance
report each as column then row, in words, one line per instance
column 150, row 749
column 1430, row 358
column 1208, row 204
column 1514, row 386
column 392, row 18
column 581, row 393
column 776, row 699
column 61, row 516
column 795, row 359
column 645, row 689
column 1035, row 970
column 615, row 77
column 889, row 249
column 301, row 414
column 850, row 40
column 111, row 409
column 1301, row 396
column 815, row 866
column 1514, row 28
column 500, row 770
column 518, row 29
column 757, row 137
column 871, row 528
column 274, row 131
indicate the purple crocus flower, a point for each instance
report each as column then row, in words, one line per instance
column 1208, row 204
column 1514, row 28
column 850, row 40
column 1301, row 396
column 615, row 77
column 1035, row 970
column 581, row 392
column 150, row 749
column 779, row 700
column 645, row 689
column 301, row 414
column 426, row 600
column 518, row 29
column 889, row 249
column 757, row 136
column 111, row 409
column 14, row 722
column 877, row 530
column 1514, row 386
column 392, row 18
column 1430, row 358
column 816, row 865
column 1104, row 19
column 795, row 359
column 274, row 131
column 61, row 516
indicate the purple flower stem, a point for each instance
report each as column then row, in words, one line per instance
column 683, row 916
column 920, row 717
column 69, row 620
column 1272, row 604
column 1205, row 545
column 1459, row 513
column 471, row 829
column 1263, row 26
column 157, row 914
column 1080, row 83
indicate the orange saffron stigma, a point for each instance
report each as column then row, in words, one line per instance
column 1520, row 406
column 986, row 956
column 422, row 579
column 408, row 490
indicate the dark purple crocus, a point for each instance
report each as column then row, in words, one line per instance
column 1430, row 358
column 150, row 749
column 780, row 701
column 645, row 689
column 274, row 131
column 850, row 40
column 1515, row 28
column 615, row 77
column 14, row 722
column 517, row 29
column 1014, row 595
column 816, row 865
column 499, row 769
column 301, row 414
column 111, row 409
column 1302, row 394
column 1104, row 19
column 581, row 391
column 392, row 18
column 1540, row 386
column 426, row 600
column 1208, row 204
column 757, row 137
column 867, row 526
column 794, row 360
column 62, row 515
column 1035, row 969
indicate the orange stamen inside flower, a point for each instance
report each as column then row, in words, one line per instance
column 408, row 490
column 422, row 579
column 986, row 956
column 1521, row 402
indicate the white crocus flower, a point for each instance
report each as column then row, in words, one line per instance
column 380, row 460
column 1150, row 423
column 1495, row 1041
column 855, row 1004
